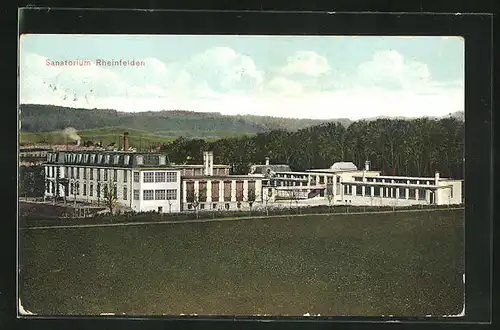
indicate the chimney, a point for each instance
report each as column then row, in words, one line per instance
column 367, row 165
column 158, row 146
column 208, row 163
column 125, row 141
column 436, row 177
column 205, row 162
column 211, row 163
column 267, row 160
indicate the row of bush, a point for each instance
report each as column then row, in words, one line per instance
column 126, row 217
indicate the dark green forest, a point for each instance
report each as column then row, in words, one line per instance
column 416, row 147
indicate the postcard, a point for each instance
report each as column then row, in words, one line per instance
column 241, row 175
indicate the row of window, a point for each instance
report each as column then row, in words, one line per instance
column 79, row 172
column 390, row 192
column 159, row 194
column 215, row 206
column 403, row 181
column 283, row 183
column 74, row 189
column 149, row 177
column 91, row 158
column 110, row 159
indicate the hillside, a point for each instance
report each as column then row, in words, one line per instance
column 107, row 135
column 48, row 118
column 459, row 115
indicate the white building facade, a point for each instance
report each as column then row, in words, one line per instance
column 145, row 182
column 344, row 184
column 138, row 182
column 212, row 193
column 156, row 190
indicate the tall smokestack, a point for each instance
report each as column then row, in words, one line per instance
column 267, row 160
column 211, row 163
column 205, row 162
column 125, row 141
column 208, row 163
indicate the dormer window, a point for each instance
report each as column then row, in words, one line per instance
column 99, row 159
column 140, row 160
column 80, row 158
column 117, row 158
column 49, row 157
column 162, row 160
column 107, row 159
column 126, row 159
column 86, row 158
column 92, row 158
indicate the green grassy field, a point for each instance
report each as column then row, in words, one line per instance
column 115, row 134
column 106, row 134
column 385, row 264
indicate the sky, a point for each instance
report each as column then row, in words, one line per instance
column 317, row 77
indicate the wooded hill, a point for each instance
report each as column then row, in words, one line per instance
column 48, row 118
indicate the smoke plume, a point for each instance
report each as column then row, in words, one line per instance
column 71, row 134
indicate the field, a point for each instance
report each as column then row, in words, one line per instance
column 106, row 134
column 115, row 134
column 386, row 264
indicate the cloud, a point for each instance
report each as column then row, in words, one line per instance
column 284, row 86
column 388, row 69
column 223, row 80
column 223, row 69
column 307, row 63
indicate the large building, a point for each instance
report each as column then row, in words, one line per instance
column 344, row 184
column 141, row 182
column 148, row 182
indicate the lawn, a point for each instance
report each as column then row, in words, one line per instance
column 385, row 264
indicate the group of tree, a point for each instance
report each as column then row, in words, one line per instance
column 417, row 147
column 31, row 181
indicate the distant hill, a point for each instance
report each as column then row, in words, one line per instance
column 460, row 115
column 49, row 118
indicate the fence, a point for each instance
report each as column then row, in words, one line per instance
column 126, row 217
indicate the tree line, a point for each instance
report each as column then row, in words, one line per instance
column 417, row 147
column 31, row 181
